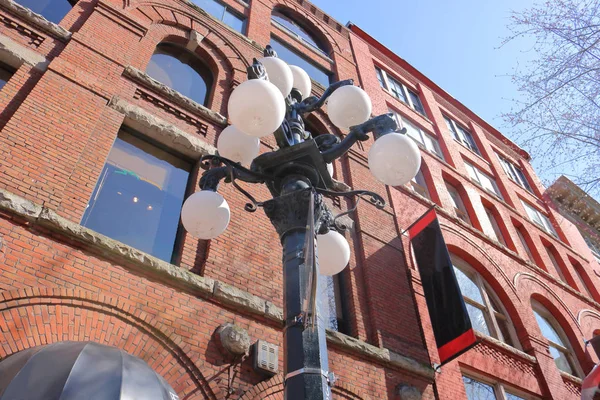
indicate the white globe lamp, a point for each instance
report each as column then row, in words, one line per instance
column 349, row 106
column 302, row 81
column 333, row 252
column 279, row 74
column 394, row 159
column 256, row 107
column 205, row 214
column 237, row 146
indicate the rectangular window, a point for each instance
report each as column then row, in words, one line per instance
column 138, row 197
column 419, row 185
column 462, row 135
column 331, row 301
column 497, row 233
column 515, row 173
column 418, row 135
column 555, row 265
column 539, row 219
column 400, row 91
column 459, row 206
column 477, row 390
column 525, row 245
column 317, row 73
column 483, row 180
column 223, row 13
column 6, row 73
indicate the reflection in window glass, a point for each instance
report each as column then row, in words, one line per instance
column 138, row 197
column 292, row 26
column 316, row 73
column 558, row 347
column 478, row 319
column 478, row 390
column 222, row 13
column 467, row 286
column 52, row 10
column 182, row 71
column 510, row 396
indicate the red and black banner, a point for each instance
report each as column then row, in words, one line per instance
column 449, row 318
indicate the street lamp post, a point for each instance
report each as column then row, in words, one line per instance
column 297, row 176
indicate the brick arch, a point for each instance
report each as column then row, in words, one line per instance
column 272, row 389
column 38, row 316
column 313, row 23
column 589, row 320
column 163, row 14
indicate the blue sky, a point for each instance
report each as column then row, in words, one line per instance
column 455, row 43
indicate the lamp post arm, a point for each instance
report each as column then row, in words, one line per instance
column 379, row 125
column 313, row 103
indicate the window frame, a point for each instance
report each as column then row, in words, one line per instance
column 462, row 135
column 8, row 70
column 434, row 149
column 514, row 173
column 525, row 244
column 419, row 187
column 316, row 43
column 586, row 290
column 477, row 177
column 460, row 211
column 230, row 10
column 500, row 390
column 489, row 298
column 495, row 226
column 593, row 246
column 556, row 265
column 405, row 92
column 281, row 42
column 542, row 220
column 567, row 349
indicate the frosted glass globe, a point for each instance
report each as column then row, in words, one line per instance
column 256, row 107
column 279, row 74
column 205, row 214
column 333, row 251
column 237, row 146
column 302, row 81
column 394, row 159
column 349, row 106
column 330, row 169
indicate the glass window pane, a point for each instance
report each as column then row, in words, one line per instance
column 397, row 89
column 547, row 330
column 5, row 74
column 380, row 78
column 468, row 288
column 478, row 390
column 510, row 396
column 52, row 10
column 287, row 55
column 477, row 319
column 412, row 131
column 212, row 7
column 234, row 21
column 472, row 173
column 505, row 331
column 293, row 27
column 138, row 197
column 416, row 102
column 450, row 126
column 561, row 360
column 181, row 71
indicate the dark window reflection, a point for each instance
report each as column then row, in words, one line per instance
column 52, row 10
column 6, row 73
column 138, row 197
column 223, row 13
column 182, row 71
column 294, row 28
column 290, row 57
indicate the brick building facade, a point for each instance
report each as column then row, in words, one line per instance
column 78, row 99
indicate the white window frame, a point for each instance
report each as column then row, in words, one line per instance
column 539, row 219
column 566, row 348
column 425, row 140
column 490, row 314
column 458, row 132
column 480, row 178
column 515, row 173
column 500, row 389
column 498, row 236
column 459, row 206
column 405, row 91
column 419, row 185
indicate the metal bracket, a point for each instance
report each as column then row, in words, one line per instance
column 314, row 371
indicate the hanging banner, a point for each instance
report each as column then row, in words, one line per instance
column 449, row 318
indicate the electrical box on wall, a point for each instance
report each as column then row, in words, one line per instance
column 266, row 357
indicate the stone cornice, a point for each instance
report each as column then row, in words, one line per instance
column 210, row 289
column 575, row 201
column 15, row 55
column 185, row 102
column 36, row 20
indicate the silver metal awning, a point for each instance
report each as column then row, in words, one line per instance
column 80, row 370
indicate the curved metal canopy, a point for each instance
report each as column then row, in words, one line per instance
column 80, row 370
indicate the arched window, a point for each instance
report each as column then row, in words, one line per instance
column 485, row 310
column 296, row 29
column 560, row 348
column 52, row 10
column 181, row 70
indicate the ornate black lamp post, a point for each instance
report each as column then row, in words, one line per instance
column 298, row 178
